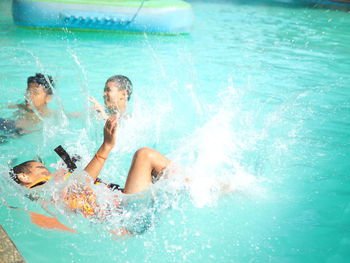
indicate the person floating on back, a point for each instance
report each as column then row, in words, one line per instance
column 147, row 166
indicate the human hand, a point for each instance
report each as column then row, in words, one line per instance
column 110, row 131
column 98, row 107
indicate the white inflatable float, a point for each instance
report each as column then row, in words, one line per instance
column 154, row 16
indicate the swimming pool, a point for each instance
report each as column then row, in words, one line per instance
column 257, row 95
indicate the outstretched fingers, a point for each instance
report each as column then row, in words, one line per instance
column 110, row 130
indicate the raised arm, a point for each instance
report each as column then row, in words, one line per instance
column 96, row 164
column 99, row 108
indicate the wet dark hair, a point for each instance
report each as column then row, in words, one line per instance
column 44, row 80
column 123, row 83
column 20, row 168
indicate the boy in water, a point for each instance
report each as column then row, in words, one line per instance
column 116, row 94
column 38, row 95
column 146, row 164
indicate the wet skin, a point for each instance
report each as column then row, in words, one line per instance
column 114, row 97
column 37, row 174
column 36, row 97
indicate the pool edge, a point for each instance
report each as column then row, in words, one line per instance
column 8, row 250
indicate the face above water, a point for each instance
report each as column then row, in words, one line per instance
column 37, row 96
column 38, row 174
column 114, row 97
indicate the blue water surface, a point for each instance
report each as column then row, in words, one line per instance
column 256, row 97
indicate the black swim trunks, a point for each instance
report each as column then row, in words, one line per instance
column 8, row 130
column 8, row 126
column 111, row 186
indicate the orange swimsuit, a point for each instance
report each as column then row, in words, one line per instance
column 83, row 199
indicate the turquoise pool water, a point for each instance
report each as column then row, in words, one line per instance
column 257, row 96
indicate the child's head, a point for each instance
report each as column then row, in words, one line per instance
column 39, row 90
column 30, row 174
column 117, row 92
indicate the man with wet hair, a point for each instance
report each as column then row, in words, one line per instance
column 19, row 169
column 30, row 173
column 147, row 165
column 45, row 81
column 116, row 94
column 38, row 94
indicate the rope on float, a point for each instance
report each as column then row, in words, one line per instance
column 135, row 15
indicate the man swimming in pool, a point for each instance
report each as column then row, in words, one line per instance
column 146, row 165
column 38, row 95
column 116, row 94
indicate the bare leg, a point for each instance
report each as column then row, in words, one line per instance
column 144, row 162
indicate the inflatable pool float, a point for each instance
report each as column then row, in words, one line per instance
column 154, row 16
column 340, row 3
column 323, row 3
